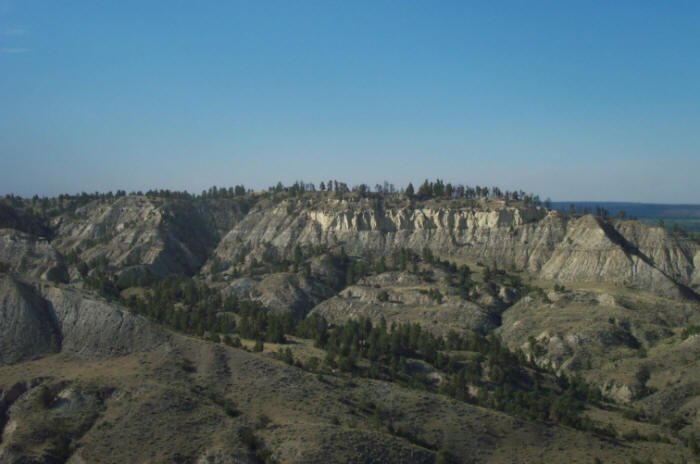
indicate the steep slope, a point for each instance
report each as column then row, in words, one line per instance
column 31, row 256
column 28, row 328
column 12, row 218
column 621, row 340
column 95, row 328
column 670, row 254
column 512, row 236
column 584, row 249
column 163, row 235
column 39, row 321
column 622, row 252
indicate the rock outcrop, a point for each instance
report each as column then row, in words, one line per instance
column 28, row 327
column 295, row 292
column 96, row 328
column 401, row 297
column 37, row 322
column 130, row 235
column 621, row 252
column 31, row 256
column 512, row 236
column 584, row 249
column 164, row 236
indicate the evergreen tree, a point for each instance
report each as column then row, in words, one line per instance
column 409, row 190
column 425, row 190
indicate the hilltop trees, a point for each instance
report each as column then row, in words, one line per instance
column 45, row 207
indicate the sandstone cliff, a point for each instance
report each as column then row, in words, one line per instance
column 584, row 249
column 131, row 234
column 510, row 235
column 621, row 252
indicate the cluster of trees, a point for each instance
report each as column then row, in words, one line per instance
column 352, row 269
column 46, row 207
column 102, row 283
column 427, row 190
column 192, row 307
column 301, row 187
column 271, row 260
column 459, row 277
column 184, row 305
column 223, row 192
column 257, row 323
column 406, row 260
column 440, row 189
column 504, row 379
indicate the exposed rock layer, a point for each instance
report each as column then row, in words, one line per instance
column 36, row 322
column 584, row 249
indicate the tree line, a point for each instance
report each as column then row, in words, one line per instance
column 504, row 379
column 427, row 190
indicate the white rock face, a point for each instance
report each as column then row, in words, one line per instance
column 620, row 392
column 167, row 236
column 588, row 254
column 511, row 236
column 584, row 249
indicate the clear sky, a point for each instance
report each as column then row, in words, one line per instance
column 574, row 100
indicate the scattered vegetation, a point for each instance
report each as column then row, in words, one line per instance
column 48, row 207
column 468, row 366
column 689, row 331
column 492, row 375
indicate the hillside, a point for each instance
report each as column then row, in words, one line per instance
column 292, row 326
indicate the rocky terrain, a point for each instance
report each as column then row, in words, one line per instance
column 583, row 249
column 113, row 311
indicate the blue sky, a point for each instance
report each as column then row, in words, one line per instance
column 571, row 100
